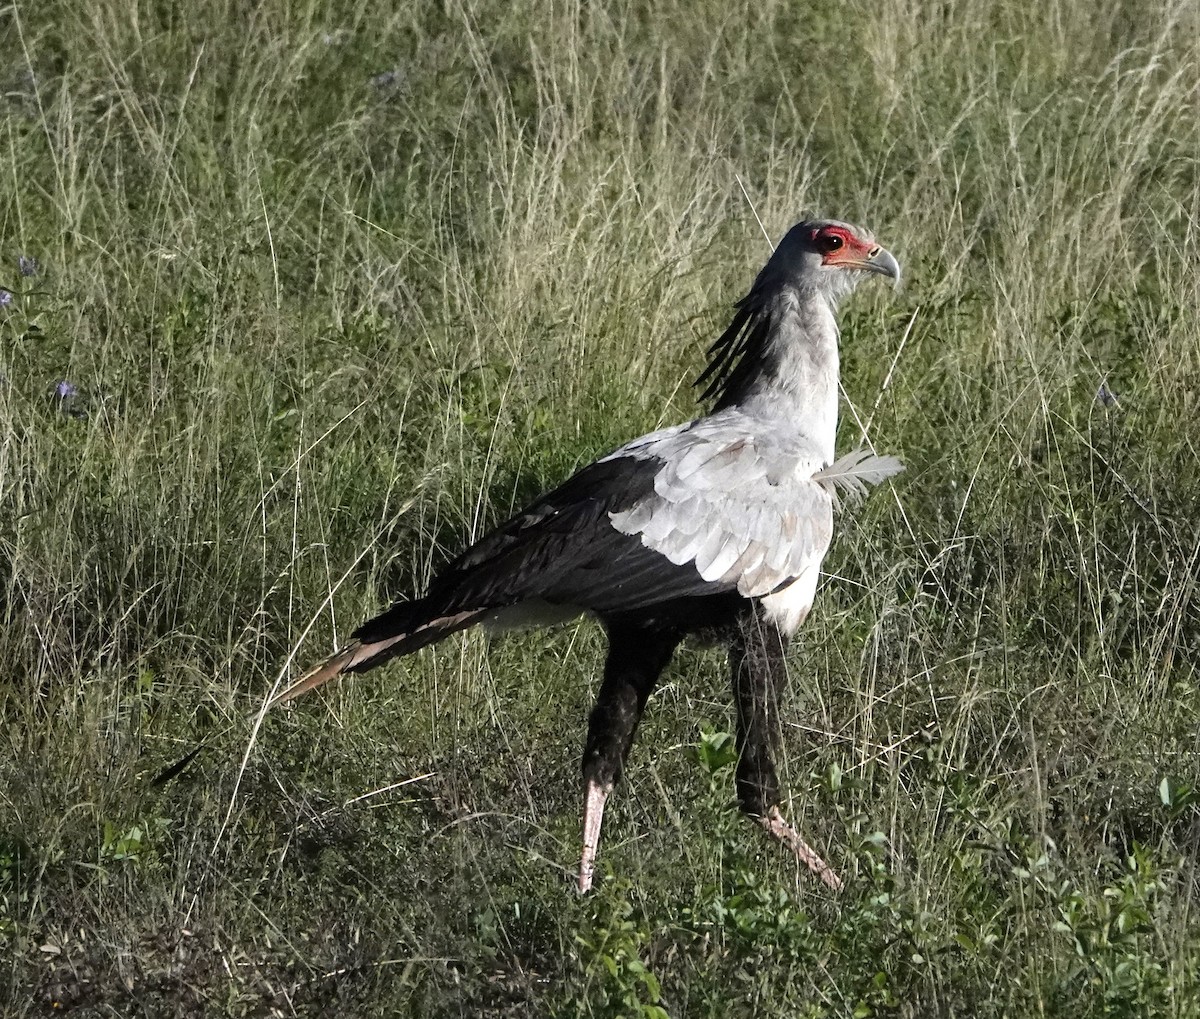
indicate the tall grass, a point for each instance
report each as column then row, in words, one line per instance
column 337, row 290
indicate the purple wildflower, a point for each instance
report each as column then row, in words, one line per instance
column 27, row 266
column 70, row 400
column 5, row 298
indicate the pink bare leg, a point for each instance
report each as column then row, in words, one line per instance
column 593, row 814
column 774, row 824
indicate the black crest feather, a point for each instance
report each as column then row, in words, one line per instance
column 737, row 354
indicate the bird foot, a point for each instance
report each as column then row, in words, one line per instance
column 593, row 814
column 774, row 824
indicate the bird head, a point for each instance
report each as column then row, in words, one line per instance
column 824, row 259
column 829, row 257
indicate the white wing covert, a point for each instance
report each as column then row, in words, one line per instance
column 733, row 499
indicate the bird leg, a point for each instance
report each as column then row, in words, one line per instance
column 593, row 813
column 636, row 658
column 756, row 658
column 774, row 825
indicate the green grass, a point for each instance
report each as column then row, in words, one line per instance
column 324, row 324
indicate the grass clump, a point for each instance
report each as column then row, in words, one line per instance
column 318, row 294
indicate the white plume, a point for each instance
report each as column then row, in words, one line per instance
column 848, row 476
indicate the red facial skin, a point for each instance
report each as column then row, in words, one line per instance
column 851, row 251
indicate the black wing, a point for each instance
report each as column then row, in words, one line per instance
column 562, row 550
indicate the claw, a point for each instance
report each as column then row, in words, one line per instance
column 593, row 814
column 775, row 826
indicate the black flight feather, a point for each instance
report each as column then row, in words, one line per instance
column 562, row 550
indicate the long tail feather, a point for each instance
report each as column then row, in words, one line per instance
column 359, row 656
column 319, row 674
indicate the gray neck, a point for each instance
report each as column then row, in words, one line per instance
column 796, row 377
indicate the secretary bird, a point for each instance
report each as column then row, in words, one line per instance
column 715, row 528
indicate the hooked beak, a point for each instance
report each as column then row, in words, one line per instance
column 875, row 259
column 882, row 261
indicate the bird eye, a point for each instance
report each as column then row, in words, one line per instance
column 829, row 242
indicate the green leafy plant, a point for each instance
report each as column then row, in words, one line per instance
column 135, row 842
column 612, row 950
